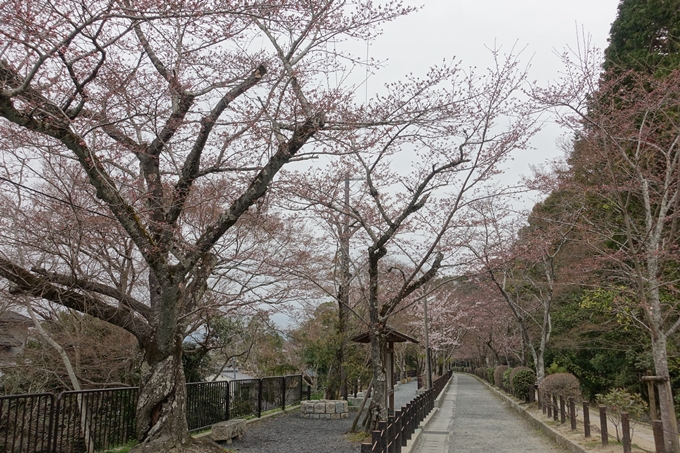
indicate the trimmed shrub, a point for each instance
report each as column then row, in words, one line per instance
column 523, row 380
column 517, row 370
column 565, row 384
column 498, row 375
column 489, row 375
column 507, row 386
column 481, row 372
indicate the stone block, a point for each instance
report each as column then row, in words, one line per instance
column 315, row 415
column 227, row 430
column 330, row 407
column 320, row 407
column 335, row 416
column 341, row 407
column 343, row 415
column 325, row 416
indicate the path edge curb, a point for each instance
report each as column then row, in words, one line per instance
column 414, row 439
column 558, row 438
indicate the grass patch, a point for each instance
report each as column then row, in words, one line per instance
column 358, row 437
column 123, row 448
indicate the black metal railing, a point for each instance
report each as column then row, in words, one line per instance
column 99, row 420
column 396, row 431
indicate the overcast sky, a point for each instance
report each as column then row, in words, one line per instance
column 463, row 30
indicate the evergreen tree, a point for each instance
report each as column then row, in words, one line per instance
column 645, row 37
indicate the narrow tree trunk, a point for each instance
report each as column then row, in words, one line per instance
column 379, row 376
column 667, row 409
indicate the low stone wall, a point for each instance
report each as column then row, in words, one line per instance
column 324, row 409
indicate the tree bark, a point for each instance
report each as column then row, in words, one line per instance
column 378, row 344
column 666, row 406
column 161, row 410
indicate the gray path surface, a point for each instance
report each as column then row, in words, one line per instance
column 291, row 434
column 404, row 393
column 473, row 420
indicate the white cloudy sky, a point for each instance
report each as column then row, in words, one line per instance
column 465, row 29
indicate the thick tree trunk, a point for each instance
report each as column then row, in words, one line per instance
column 161, row 410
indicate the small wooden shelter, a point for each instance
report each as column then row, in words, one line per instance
column 393, row 336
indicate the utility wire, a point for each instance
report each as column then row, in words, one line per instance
column 21, row 186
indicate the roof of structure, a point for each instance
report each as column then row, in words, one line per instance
column 11, row 317
column 393, row 336
column 9, row 341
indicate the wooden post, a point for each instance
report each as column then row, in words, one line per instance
column 672, row 431
column 375, row 441
column 651, row 389
column 398, row 419
column 625, row 428
column 586, row 419
column 382, row 427
column 572, row 413
column 391, row 434
column 563, row 415
column 389, row 381
column 555, row 410
column 603, row 425
column 657, row 427
column 541, row 402
column 548, row 404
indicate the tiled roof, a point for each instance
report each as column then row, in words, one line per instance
column 8, row 341
column 10, row 317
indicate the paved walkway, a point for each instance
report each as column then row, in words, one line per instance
column 472, row 420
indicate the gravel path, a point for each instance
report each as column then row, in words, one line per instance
column 481, row 423
column 289, row 433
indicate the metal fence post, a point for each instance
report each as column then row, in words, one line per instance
column 586, row 419
column 259, row 398
column 55, row 420
column 309, row 393
column 572, row 413
column 555, row 407
column 283, row 393
column 603, row 425
column 226, row 410
column 548, row 405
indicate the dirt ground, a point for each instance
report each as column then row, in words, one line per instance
column 594, row 443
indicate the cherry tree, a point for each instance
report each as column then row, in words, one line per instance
column 430, row 145
column 124, row 114
column 522, row 263
column 625, row 165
